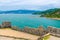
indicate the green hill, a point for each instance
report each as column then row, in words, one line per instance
column 53, row 13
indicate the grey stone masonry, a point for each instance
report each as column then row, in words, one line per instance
column 5, row 25
column 54, row 31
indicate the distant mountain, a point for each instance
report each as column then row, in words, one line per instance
column 50, row 13
column 18, row 12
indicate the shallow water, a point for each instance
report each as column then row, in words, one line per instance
column 33, row 21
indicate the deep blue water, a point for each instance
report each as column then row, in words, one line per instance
column 33, row 21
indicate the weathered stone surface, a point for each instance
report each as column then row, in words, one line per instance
column 54, row 31
column 41, row 28
column 0, row 26
column 36, row 31
column 15, row 28
column 6, row 25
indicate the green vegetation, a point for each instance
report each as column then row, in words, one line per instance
column 46, row 37
column 52, row 13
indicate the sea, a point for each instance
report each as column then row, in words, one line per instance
column 29, row 20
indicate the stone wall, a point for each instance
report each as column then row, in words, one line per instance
column 5, row 25
column 0, row 26
column 34, row 31
column 15, row 28
column 54, row 31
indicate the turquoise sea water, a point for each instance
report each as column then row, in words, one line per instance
column 33, row 21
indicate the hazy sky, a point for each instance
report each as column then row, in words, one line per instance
column 29, row 4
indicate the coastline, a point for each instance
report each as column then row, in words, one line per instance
column 56, row 18
column 53, row 18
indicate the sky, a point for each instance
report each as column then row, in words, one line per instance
column 29, row 4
